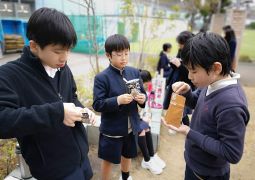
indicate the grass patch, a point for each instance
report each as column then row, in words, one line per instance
column 154, row 46
column 247, row 46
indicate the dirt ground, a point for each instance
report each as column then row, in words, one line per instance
column 171, row 150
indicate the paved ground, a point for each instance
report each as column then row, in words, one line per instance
column 247, row 71
column 79, row 63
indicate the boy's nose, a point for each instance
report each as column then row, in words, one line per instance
column 124, row 57
column 65, row 56
column 189, row 76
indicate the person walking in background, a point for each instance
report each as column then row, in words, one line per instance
column 119, row 112
column 215, row 137
column 164, row 62
column 150, row 160
column 230, row 37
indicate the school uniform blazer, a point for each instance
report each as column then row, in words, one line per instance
column 108, row 85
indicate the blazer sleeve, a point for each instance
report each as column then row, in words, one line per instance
column 102, row 103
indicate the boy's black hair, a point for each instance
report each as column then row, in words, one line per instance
column 204, row 49
column 184, row 36
column 202, row 30
column 145, row 75
column 49, row 26
column 116, row 42
column 226, row 28
column 230, row 35
column 166, row 46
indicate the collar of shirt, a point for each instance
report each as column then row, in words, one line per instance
column 51, row 71
column 117, row 69
column 232, row 79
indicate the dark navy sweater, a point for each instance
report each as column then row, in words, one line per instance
column 108, row 85
column 31, row 110
column 218, row 124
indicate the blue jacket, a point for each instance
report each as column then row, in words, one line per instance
column 108, row 85
column 32, row 111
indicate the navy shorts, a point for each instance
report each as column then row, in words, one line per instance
column 111, row 149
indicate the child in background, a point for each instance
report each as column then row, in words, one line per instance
column 215, row 137
column 151, row 160
column 119, row 112
column 164, row 62
column 230, row 37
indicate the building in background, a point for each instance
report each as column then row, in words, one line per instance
column 109, row 20
column 13, row 24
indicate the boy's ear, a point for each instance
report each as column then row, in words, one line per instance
column 108, row 56
column 33, row 46
column 217, row 67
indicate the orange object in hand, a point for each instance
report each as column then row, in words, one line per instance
column 175, row 110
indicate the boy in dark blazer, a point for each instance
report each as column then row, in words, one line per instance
column 119, row 112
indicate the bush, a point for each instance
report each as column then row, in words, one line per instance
column 245, row 58
column 150, row 63
column 84, row 92
column 251, row 25
column 8, row 159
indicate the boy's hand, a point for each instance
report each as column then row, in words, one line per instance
column 92, row 116
column 71, row 114
column 182, row 129
column 176, row 62
column 140, row 98
column 124, row 99
column 180, row 87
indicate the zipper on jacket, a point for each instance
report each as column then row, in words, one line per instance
column 52, row 87
column 74, row 134
column 58, row 88
column 60, row 97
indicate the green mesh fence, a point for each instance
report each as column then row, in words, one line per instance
column 85, row 44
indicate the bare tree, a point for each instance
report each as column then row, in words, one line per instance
column 129, row 15
column 197, row 9
column 89, row 5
